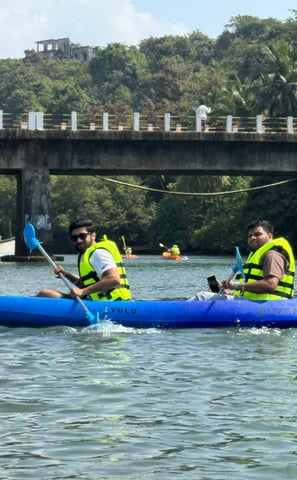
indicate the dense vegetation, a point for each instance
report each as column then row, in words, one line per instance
column 250, row 68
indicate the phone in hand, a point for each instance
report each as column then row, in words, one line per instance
column 213, row 284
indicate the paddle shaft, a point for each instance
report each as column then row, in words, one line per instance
column 124, row 243
column 227, row 281
column 238, row 267
column 65, row 280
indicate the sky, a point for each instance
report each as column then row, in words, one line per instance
column 100, row 22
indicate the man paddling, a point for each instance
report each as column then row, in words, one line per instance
column 269, row 270
column 102, row 275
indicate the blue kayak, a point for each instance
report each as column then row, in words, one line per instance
column 36, row 312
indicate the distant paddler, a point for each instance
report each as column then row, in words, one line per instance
column 127, row 250
column 172, row 253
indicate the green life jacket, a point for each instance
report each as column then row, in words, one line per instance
column 89, row 276
column 253, row 271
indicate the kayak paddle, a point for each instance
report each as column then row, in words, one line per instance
column 32, row 243
column 237, row 267
column 163, row 246
column 124, row 244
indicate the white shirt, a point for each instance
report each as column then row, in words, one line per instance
column 202, row 111
column 102, row 260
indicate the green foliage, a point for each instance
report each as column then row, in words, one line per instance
column 117, row 209
column 7, row 205
column 117, row 69
column 44, row 85
column 202, row 222
column 277, row 203
column 276, row 80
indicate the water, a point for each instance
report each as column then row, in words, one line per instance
column 122, row 404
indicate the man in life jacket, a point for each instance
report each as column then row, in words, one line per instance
column 268, row 272
column 102, row 275
column 270, row 267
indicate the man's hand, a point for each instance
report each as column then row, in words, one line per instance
column 58, row 270
column 76, row 292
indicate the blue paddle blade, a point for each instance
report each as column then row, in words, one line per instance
column 91, row 318
column 30, row 238
column 238, row 266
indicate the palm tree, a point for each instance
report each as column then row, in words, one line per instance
column 276, row 84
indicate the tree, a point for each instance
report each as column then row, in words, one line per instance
column 118, row 66
column 8, row 205
column 201, row 222
column 276, row 204
column 114, row 207
column 276, row 81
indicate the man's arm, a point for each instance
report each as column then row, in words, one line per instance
column 274, row 266
column 110, row 279
column 72, row 277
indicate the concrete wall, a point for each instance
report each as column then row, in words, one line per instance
column 120, row 152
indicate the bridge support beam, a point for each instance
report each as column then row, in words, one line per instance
column 33, row 205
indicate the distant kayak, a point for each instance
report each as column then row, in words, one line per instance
column 130, row 256
column 7, row 246
column 168, row 256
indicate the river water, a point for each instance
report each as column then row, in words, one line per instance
column 122, row 404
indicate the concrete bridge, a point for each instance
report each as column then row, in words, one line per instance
column 33, row 155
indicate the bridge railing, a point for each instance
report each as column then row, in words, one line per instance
column 151, row 123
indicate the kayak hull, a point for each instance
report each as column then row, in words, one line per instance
column 168, row 256
column 37, row 312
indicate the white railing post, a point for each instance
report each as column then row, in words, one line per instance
column 229, row 124
column 290, row 128
column 136, row 122
column 198, row 122
column 105, row 120
column 74, row 121
column 32, row 120
column 167, row 122
column 259, row 124
column 39, row 120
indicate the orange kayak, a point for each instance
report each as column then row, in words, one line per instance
column 130, row 256
column 168, row 256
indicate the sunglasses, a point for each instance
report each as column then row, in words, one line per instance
column 81, row 236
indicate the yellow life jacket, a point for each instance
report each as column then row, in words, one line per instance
column 89, row 276
column 175, row 251
column 253, row 271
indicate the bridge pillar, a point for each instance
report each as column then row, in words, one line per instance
column 33, row 206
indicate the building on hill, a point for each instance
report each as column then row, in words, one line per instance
column 62, row 48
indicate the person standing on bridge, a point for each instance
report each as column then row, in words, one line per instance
column 268, row 273
column 102, row 275
column 202, row 111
